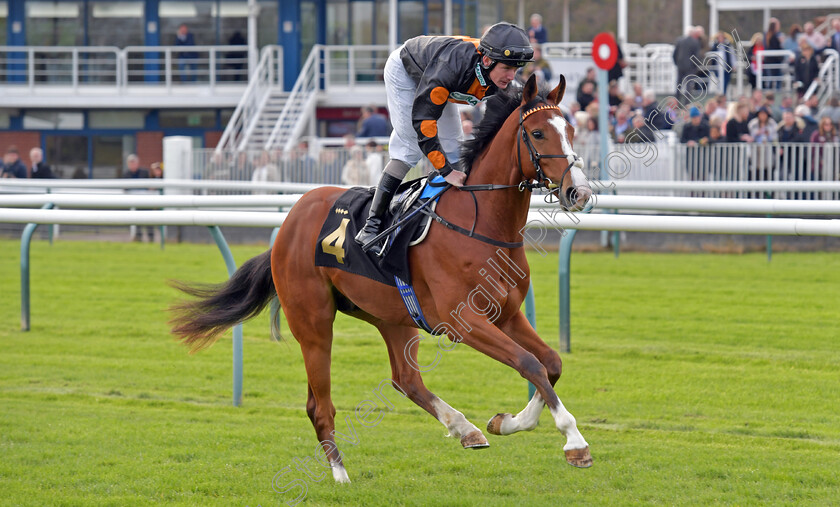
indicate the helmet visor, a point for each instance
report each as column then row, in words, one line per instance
column 514, row 56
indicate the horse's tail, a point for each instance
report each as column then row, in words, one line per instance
column 199, row 323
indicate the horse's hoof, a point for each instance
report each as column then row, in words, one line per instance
column 494, row 426
column 474, row 440
column 580, row 458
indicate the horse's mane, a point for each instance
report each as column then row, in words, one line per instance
column 498, row 109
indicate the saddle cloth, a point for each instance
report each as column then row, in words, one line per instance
column 337, row 248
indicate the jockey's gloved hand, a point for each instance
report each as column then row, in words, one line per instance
column 456, row 178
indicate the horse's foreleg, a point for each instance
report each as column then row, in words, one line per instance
column 402, row 351
column 491, row 341
column 520, row 331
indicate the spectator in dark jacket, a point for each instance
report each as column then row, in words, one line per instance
column 373, row 124
column 790, row 131
column 537, row 32
column 696, row 131
column 39, row 168
column 805, row 68
column 809, row 124
column 771, row 63
column 684, row 49
column 695, row 135
column 640, row 133
column 186, row 59
column 586, row 94
column 737, row 128
column 12, row 166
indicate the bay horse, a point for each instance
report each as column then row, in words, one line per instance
column 523, row 143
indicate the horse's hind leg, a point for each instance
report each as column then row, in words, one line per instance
column 310, row 322
column 402, row 351
column 529, row 417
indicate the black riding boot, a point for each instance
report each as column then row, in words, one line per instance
column 381, row 199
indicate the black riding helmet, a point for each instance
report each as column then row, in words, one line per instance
column 508, row 44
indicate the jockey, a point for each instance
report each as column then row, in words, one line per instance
column 424, row 80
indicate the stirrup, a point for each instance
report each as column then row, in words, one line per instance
column 371, row 244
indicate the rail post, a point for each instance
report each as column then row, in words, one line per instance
column 25, row 240
column 237, row 329
column 565, row 291
column 531, row 314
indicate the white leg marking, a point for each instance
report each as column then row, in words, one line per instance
column 455, row 422
column 340, row 473
column 566, row 423
column 526, row 420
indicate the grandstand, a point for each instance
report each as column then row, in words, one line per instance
column 92, row 81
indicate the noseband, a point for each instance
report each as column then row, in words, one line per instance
column 542, row 180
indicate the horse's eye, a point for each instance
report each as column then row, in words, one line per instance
column 537, row 134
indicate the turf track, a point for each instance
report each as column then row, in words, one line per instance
column 697, row 379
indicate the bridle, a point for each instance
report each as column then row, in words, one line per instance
column 525, row 184
column 542, row 180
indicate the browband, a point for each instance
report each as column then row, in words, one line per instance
column 538, row 108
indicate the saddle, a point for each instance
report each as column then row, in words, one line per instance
column 337, row 249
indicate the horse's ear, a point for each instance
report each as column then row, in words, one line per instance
column 556, row 94
column 529, row 91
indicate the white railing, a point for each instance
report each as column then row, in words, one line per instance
column 828, row 79
column 567, row 50
column 322, row 166
column 726, row 162
column 78, row 67
column 825, row 26
column 267, row 75
column 33, row 66
column 184, row 64
column 663, row 161
column 774, row 74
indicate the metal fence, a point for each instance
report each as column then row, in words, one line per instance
column 666, row 161
column 324, row 166
column 77, row 66
column 662, row 161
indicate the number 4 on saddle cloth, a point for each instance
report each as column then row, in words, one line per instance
column 336, row 248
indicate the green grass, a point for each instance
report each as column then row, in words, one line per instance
column 696, row 379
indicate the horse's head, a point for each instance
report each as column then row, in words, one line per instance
column 544, row 147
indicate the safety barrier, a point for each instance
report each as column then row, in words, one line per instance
column 568, row 223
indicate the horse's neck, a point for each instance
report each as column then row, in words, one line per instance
column 502, row 213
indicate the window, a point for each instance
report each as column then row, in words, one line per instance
column 411, row 20
column 53, row 120
column 115, row 24
column 267, row 23
column 308, row 28
column 109, row 154
column 116, row 119
column 337, row 26
column 361, row 17
column 54, row 24
column 198, row 118
column 67, row 155
column 198, row 16
column 4, row 15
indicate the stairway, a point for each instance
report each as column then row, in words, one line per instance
column 268, row 118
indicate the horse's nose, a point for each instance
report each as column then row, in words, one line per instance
column 577, row 196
